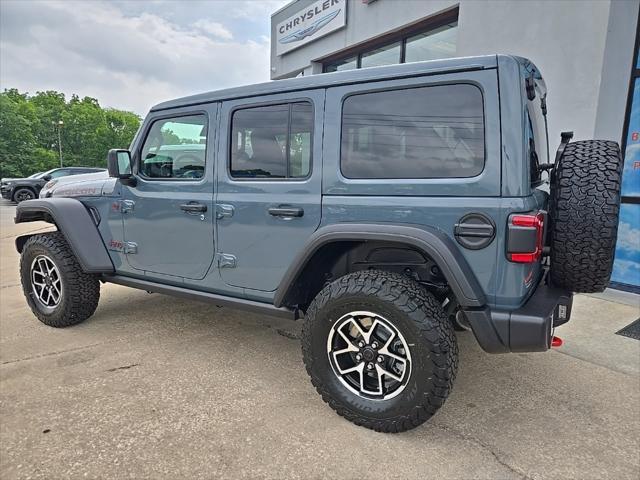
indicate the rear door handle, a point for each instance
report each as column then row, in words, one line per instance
column 193, row 207
column 284, row 211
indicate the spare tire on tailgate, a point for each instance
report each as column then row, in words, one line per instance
column 584, row 209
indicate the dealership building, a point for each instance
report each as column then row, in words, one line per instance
column 587, row 52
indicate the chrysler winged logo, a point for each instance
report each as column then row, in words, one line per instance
column 310, row 30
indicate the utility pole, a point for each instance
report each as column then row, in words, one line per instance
column 60, row 123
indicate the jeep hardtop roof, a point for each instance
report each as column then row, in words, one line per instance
column 341, row 78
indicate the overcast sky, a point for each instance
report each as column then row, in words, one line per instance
column 132, row 54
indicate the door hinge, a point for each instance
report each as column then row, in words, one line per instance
column 130, row 247
column 126, row 206
column 226, row 260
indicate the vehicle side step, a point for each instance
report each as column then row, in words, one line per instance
column 220, row 300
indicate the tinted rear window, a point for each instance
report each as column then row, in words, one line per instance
column 425, row 132
column 272, row 141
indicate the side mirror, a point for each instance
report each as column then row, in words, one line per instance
column 46, row 178
column 119, row 163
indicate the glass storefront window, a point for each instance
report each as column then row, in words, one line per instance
column 387, row 55
column 440, row 43
column 626, row 267
column 346, row 64
column 430, row 45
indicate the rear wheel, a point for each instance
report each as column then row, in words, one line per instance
column 380, row 350
column 58, row 292
column 584, row 209
column 23, row 194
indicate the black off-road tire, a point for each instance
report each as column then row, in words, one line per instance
column 584, row 210
column 420, row 319
column 20, row 194
column 80, row 290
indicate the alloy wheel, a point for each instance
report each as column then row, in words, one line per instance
column 369, row 355
column 46, row 282
column 23, row 195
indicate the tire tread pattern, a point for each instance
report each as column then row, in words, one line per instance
column 81, row 291
column 584, row 209
column 435, row 331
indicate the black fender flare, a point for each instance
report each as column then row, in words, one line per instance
column 431, row 241
column 75, row 223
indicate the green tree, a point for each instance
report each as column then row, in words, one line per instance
column 83, row 120
column 29, row 131
column 49, row 108
column 119, row 129
column 16, row 138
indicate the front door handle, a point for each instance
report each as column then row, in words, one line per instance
column 285, row 211
column 193, row 207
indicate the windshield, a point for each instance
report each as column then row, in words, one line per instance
column 56, row 173
column 48, row 172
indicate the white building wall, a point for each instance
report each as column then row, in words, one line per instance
column 584, row 48
column 566, row 40
column 616, row 68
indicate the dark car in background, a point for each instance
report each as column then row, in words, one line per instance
column 20, row 189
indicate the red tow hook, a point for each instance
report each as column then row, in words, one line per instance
column 556, row 342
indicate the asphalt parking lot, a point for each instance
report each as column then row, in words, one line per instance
column 156, row 387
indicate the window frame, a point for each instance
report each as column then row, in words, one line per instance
column 289, row 103
column 137, row 161
column 388, row 89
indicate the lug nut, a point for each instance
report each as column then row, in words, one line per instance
column 369, row 366
column 380, row 359
column 374, row 344
column 358, row 357
column 361, row 344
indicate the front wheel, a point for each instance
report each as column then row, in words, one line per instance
column 23, row 194
column 380, row 350
column 58, row 292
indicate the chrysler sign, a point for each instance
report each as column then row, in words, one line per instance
column 309, row 24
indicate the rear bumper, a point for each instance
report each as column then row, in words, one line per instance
column 526, row 329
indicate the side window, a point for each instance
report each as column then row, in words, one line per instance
column 273, row 141
column 537, row 142
column 534, row 161
column 175, row 148
column 424, row 132
column 60, row 173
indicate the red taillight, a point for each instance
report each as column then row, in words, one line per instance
column 523, row 257
column 556, row 342
column 527, row 220
column 526, row 235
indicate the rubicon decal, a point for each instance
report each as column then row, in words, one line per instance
column 77, row 191
column 315, row 21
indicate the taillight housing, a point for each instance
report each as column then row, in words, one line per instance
column 525, row 237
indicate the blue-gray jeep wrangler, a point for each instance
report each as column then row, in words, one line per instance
column 387, row 206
